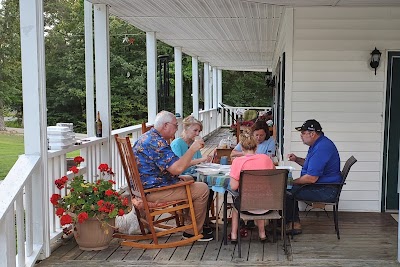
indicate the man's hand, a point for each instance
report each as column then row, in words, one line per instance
column 197, row 144
column 292, row 157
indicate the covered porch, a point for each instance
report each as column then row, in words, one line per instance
column 234, row 35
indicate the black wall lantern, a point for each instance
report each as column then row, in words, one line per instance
column 375, row 58
column 269, row 80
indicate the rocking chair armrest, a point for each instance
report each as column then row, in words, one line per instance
column 168, row 187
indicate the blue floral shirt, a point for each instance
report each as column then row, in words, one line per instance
column 154, row 156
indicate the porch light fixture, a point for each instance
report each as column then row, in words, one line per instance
column 269, row 80
column 375, row 58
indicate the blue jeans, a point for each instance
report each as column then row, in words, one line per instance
column 309, row 193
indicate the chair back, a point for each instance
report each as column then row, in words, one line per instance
column 222, row 152
column 129, row 164
column 262, row 189
column 346, row 168
column 145, row 127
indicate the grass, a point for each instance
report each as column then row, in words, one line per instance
column 11, row 145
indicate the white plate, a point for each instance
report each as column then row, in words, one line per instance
column 225, row 168
column 208, row 171
column 208, row 165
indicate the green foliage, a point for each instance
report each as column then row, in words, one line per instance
column 244, row 89
column 65, row 69
column 10, row 147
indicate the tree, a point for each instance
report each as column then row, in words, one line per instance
column 10, row 59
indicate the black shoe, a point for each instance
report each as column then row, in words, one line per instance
column 206, row 236
column 207, row 230
column 250, row 224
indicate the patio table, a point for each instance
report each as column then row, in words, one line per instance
column 219, row 183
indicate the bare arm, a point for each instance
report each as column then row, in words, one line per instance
column 185, row 161
column 234, row 184
column 306, row 179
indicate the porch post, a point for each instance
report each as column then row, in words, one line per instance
column 178, row 81
column 195, row 86
column 219, row 78
column 89, row 72
column 35, row 116
column 206, row 86
column 102, row 56
column 151, row 52
column 215, row 93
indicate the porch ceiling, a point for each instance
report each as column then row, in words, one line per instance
column 229, row 34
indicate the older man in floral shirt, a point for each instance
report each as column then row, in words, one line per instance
column 159, row 166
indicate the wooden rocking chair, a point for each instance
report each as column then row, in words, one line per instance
column 149, row 214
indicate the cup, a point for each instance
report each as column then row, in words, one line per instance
column 224, row 160
column 198, row 138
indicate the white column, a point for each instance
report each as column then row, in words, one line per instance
column 35, row 114
column 215, row 94
column 151, row 51
column 206, row 86
column 219, row 78
column 195, row 86
column 178, row 81
column 102, row 56
column 89, row 69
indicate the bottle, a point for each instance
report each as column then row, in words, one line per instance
column 99, row 126
column 290, row 180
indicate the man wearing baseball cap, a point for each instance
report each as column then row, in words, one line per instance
column 321, row 165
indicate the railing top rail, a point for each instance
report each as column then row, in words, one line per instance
column 15, row 181
column 126, row 130
column 87, row 142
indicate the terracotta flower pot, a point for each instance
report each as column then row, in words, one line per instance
column 94, row 234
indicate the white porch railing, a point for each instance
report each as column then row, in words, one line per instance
column 230, row 114
column 23, row 244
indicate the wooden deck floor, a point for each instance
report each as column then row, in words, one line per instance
column 367, row 239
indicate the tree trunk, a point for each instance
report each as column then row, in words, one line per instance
column 2, row 126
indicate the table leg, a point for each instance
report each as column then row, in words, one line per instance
column 225, row 236
column 216, row 215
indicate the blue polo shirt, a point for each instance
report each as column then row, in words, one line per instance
column 323, row 161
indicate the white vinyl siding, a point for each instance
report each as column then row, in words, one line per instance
column 333, row 83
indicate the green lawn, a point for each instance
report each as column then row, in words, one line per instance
column 11, row 145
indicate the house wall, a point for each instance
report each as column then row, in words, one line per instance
column 333, row 83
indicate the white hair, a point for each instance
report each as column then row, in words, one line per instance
column 162, row 118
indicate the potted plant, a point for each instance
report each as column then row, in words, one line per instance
column 90, row 208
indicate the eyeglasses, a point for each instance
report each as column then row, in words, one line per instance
column 175, row 124
column 305, row 132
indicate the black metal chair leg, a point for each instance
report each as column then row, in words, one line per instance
column 225, row 236
column 239, row 244
column 336, row 218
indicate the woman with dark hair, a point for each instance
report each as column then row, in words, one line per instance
column 265, row 142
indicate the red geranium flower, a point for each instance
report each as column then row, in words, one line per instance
column 109, row 192
column 74, row 169
column 65, row 219
column 103, row 167
column 60, row 211
column 79, row 159
column 54, row 199
column 121, row 212
column 83, row 216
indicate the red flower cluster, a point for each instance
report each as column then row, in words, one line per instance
column 88, row 200
column 60, row 183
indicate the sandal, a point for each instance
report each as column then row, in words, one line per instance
column 233, row 241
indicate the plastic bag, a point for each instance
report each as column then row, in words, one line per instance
column 128, row 223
